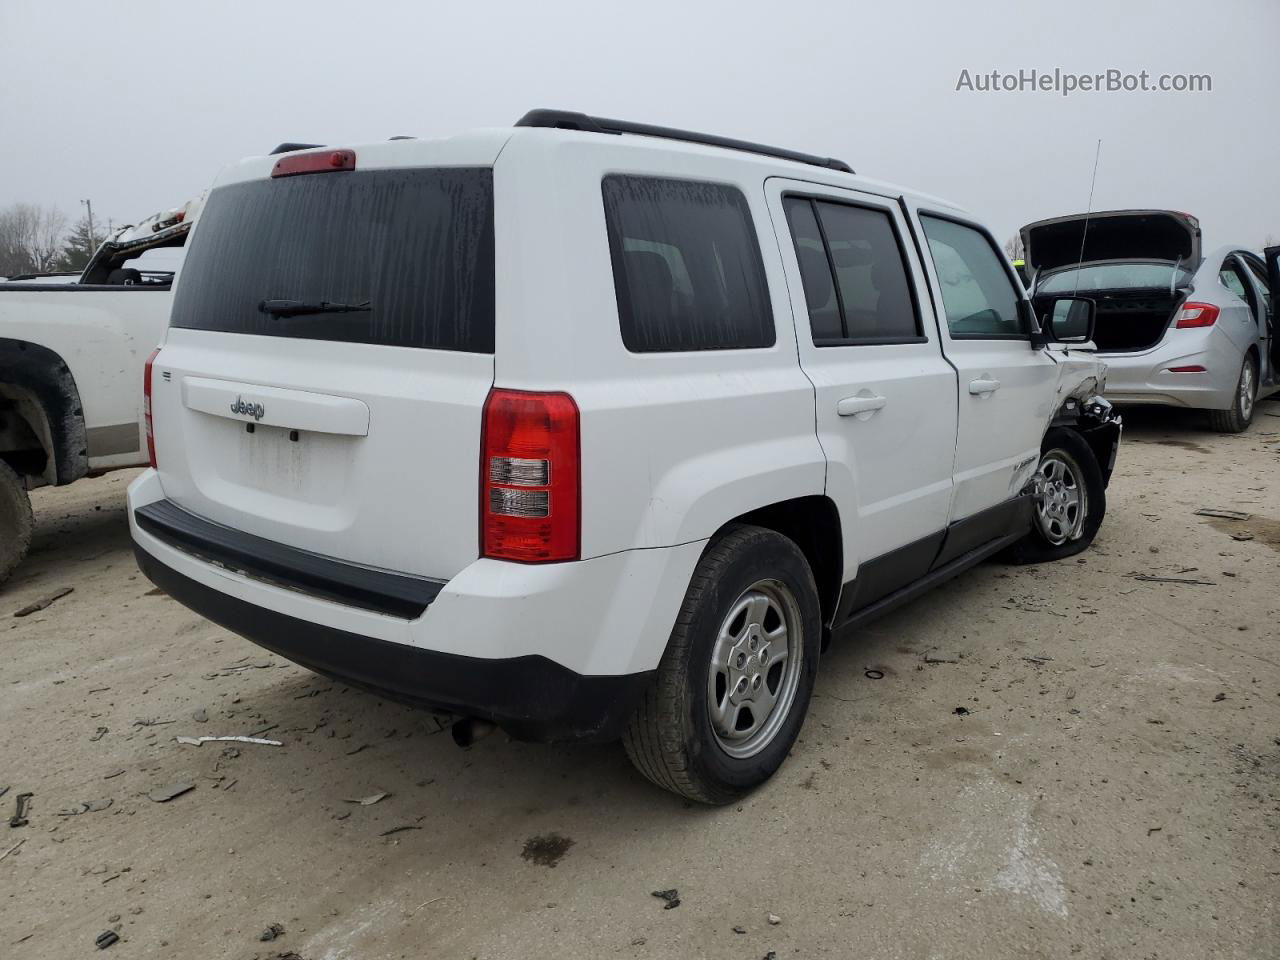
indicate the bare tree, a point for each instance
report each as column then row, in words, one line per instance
column 31, row 238
column 1013, row 247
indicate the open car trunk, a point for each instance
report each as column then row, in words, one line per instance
column 1135, row 264
column 1128, row 320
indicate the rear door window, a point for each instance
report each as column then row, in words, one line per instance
column 978, row 294
column 686, row 266
column 870, row 300
column 416, row 245
column 1259, row 271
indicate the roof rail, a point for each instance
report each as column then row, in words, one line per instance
column 568, row 120
column 288, row 147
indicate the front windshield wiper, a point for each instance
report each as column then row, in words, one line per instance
column 300, row 308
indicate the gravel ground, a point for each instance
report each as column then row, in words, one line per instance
column 1058, row 761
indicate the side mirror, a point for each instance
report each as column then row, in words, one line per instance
column 1070, row 320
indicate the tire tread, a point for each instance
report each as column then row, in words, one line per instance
column 654, row 737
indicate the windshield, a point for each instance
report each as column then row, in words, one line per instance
column 414, row 246
column 1115, row 276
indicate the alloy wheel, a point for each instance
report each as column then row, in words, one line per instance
column 755, row 668
column 1063, row 502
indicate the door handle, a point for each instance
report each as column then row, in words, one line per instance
column 983, row 386
column 852, row 406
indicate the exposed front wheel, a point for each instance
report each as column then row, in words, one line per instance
column 1240, row 415
column 1071, row 500
column 15, row 521
column 733, row 686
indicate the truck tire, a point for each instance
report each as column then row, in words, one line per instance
column 15, row 521
column 732, row 689
column 1075, row 502
column 1240, row 415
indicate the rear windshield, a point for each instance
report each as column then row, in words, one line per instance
column 1116, row 276
column 415, row 246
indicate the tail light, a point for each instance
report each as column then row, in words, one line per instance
column 1197, row 315
column 146, row 406
column 530, row 477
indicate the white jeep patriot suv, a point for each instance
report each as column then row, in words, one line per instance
column 593, row 429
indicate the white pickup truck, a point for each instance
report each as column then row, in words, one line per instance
column 71, row 361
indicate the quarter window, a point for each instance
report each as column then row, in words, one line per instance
column 855, row 278
column 977, row 293
column 686, row 266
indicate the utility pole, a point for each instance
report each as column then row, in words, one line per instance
column 89, row 206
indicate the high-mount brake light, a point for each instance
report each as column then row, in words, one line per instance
column 319, row 161
column 146, row 407
column 530, row 477
column 1196, row 315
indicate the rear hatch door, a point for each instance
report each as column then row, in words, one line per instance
column 1114, row 235
column 349, row 433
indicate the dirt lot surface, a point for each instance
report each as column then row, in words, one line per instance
column 1058, row 761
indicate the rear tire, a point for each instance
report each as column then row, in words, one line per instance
column 1238, row 418
column 16, row 521
column 732, row 689
column 1068, row 517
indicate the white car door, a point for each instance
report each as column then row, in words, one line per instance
column 1007, row 389
column 886, row 396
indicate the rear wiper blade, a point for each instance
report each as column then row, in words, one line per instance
column 299, row 308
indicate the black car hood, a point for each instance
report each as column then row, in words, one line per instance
column 1124, row 235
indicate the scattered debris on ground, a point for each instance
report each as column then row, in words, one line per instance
column 672, row 897
column 106, row 939
column 13, row 848
column 369, row 800
column 273, row 931
column 41, row 604
column 1222, row 514
column 22, row 808
column 196, row 741
column 1151, row 578
column 170, row 792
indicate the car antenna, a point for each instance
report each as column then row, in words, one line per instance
column 1088, row 211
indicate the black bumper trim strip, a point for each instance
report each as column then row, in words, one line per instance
column 395, row 594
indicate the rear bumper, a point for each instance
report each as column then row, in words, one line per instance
column 530, row 697
column 1146, row 378
column 548, row 652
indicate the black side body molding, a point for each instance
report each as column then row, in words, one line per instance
column 569, row 120
column 530, row 697
column 395, row 594
column 901, row 575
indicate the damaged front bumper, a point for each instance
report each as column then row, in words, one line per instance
column 1101, row 425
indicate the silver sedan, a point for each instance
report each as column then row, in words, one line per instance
column 1175, row 324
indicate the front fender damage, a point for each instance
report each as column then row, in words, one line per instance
column 1078, row 405
column 1082, row 378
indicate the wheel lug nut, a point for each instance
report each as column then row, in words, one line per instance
column 742, row 658
column 755, row 642
column 755, row 682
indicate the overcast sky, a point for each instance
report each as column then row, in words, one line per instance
column 137, row 105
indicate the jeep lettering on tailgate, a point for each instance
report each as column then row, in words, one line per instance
column 255, row 410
